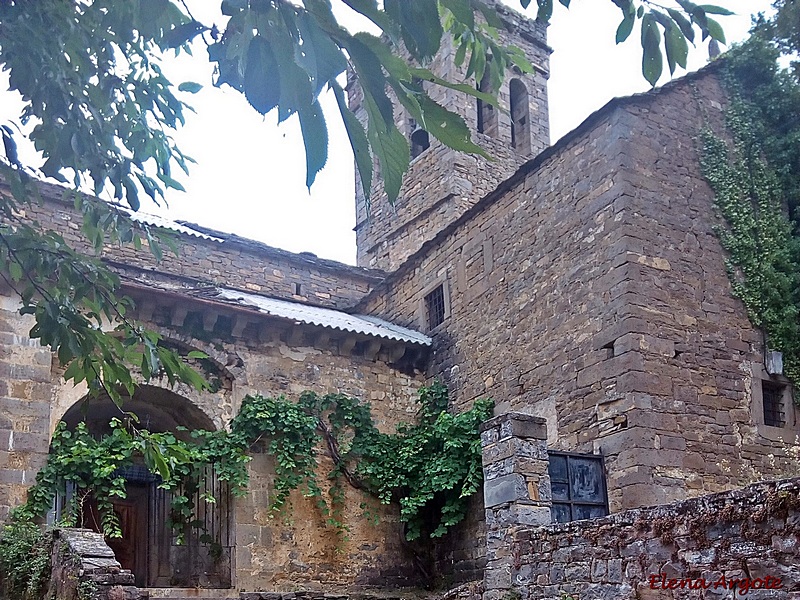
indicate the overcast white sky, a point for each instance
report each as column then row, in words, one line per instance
column 250, row 174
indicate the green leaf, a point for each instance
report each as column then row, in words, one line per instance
column 683, row 23
column 190, row 87
column 321, row 59
column 372, row 81
column 716, row 10
column 391, row 148
column 230, row 7
column 427, row 75
column 462, row 11
column 652, row 64
column 676, row 47
column 369, row 8
column 358, row 140
column 420, row 25
column 15, row 270
column 448, row 127
column 715, row 30
column 183, row 33
column 315, row 139
column 262, row 86
column 625, row 28
column 545, row 11
column 197, row 354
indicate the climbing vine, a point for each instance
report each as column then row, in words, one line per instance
column 429, row 468
column 756, row 183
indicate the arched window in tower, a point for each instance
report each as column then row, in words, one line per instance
column 419, row 138
column 420, row 141
column 520, row 117
column 487, row 115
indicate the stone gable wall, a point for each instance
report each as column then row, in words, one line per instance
column 591, row 290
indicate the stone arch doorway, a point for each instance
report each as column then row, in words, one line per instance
column 149, row 546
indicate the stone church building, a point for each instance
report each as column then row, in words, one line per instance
column 580, row 282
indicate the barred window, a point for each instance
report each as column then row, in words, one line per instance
column 772, row 395
column 435, row 307
column 578, row 485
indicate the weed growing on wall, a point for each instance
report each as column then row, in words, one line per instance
column 756, row 183
column 24, row 560
column 428, row 469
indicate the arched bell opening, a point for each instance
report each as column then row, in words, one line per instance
column 160, row 555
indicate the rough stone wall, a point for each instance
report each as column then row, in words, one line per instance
column 591, row 290
column 233, row 262
column 273, row 358
column 690, row 549
column 83, row 567
column 442, row 184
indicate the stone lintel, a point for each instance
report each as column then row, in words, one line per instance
column 518, row 425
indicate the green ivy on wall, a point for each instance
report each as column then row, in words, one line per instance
column 429, row 469
column 755, row 175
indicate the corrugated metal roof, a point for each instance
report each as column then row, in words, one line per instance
column 325, row 317
column 157, row 221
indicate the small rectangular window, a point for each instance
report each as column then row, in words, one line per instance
column 578, row 485
column 772, row 395
column 434, row 307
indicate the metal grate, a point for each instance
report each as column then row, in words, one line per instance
column 578, row 485
column 434, row 307
column 772, row 395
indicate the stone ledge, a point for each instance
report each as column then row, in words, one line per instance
column 517, row 425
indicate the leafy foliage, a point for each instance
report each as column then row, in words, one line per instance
column 99, row 109
column 74, row 301
column 100, row 112
column 24, row 560
column 755, row 180
column 429, row 469
column 784, row 29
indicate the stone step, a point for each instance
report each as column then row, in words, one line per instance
column 188, row 594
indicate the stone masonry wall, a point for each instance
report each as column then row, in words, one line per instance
column 232, row 262
column 442, row 184
column 269, row 357
column 693, row 549
column 687, row 550
column 591, row 290
column 83, row 567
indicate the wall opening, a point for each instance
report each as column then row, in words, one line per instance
column 435, row 307
column 772, row 396
column 520, row 117
column 149, row 545
column 420, row 141
column 578, row 485
column 487, row 114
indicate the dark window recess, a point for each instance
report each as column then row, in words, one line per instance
column 434, row 307
column 298, row 289
column 578, row 484
column 420, row 141
column 487, row 116
column 772, row 395
column 520, row 109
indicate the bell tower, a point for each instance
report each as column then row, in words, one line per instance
column 442, row 184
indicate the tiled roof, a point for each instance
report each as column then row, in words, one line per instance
column 324, row 317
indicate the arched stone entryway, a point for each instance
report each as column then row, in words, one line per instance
column 149, row 546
